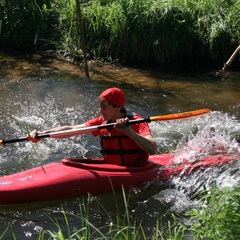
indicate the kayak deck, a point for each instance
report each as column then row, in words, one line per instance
column 58, row 180
column 76, row 177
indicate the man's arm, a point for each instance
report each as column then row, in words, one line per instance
column 33, row 135
column 146, row 143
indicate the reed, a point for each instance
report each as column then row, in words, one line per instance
column 66, row 29
column 162, row 31
column 217, row 216
column 133, row 31
column 118, row 227
column 24, row 23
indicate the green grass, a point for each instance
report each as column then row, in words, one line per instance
column 217, row 217
column 162, row 31
column 118, row 226
column 133, row 31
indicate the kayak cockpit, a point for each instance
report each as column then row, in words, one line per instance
column 98, row 164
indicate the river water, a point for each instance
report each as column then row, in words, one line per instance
column 40, row 93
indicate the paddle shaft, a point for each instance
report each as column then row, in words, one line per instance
column 79, row 131
column 73, row 132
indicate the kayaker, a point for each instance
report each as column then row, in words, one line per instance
column 122, row 144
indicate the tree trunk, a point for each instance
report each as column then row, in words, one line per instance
column 228, row 63
column 82, row 38
column 1, row 14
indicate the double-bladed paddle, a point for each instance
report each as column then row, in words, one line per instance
column 79, row 131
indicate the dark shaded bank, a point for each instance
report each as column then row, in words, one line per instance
column 33, row 62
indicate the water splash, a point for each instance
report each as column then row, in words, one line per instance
column 41, row 115
column 199, row 137
column 212, row 135
column 175, row 200
column 195, row 139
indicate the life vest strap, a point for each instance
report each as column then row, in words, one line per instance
column 119, row 152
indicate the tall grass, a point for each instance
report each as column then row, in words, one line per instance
column 134, row 31
column 66, row 26
column 139, row 31
column 118, row 227
column 217, row 217
column 25, row 22
column 162, row 31
column 217, row 25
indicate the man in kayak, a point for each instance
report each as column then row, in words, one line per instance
column 128, row 145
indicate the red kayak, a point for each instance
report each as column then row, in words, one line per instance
column 77, row 177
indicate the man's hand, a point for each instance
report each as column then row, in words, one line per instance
column 32, row 136
column 121, row 125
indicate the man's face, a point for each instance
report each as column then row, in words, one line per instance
column 109, row 112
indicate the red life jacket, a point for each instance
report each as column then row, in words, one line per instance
column 119, row 149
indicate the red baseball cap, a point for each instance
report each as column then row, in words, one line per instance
column 114, row 96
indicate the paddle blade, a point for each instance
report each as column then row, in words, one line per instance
column 183, row 115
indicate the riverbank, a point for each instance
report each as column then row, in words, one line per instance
column 19, row 65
